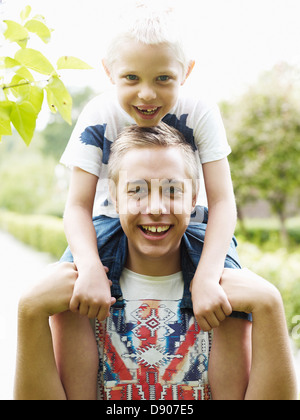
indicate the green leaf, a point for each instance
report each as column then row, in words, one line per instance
column 73, row 63
column 50, row 101
column 36, row 98
column 15, row 32
column 23, row 117
column 34, row 60
column 25, row 13
column 40, row 29
column 17, row 67
column 5, row 128
column 60, row 98
column 5, row 110
column 20, row 88
column 24, row 91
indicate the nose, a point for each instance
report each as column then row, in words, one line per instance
column 156, row 204
column 147, row 93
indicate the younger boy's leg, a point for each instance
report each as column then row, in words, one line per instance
column 76, row 355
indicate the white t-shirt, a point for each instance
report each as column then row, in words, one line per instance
column 151, row 349
column 103, row 119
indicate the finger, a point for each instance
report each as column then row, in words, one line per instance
column 93, row 312
column 227, row 308
column 74, row 304
column 106, row 269
column 83, row 309
column 212, row 320
column 220, row 314
column 104, row 311
column 203, row 324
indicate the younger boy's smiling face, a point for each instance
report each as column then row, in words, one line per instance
column 148, row 78
column 154, row 201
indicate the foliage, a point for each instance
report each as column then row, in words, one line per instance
column 45, row 233
column 32, row 183
column 22, row 89
column 282, row 268
column 264, row 132
column 53, row 139
column 266, row 234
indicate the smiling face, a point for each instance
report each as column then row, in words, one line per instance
column 154, row 201
column 147, row 78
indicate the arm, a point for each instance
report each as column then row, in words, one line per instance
column 230, row 360
column 76, row 355
column 36, row 373
column 209, row 301
column 272, row 374
column 92, row 292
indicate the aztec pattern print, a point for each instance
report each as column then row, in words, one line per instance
column 151, row 350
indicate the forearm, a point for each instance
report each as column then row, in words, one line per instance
column 36, row 375
column 272, row 375
column 81, row 235
column 218, row 235
column 78, row 220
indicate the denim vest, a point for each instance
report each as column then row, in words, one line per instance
column 113, row 253
column 113, row 249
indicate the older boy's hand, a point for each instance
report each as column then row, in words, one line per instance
column 52, row 294
column 210, row 303
column 91, row 296
column 247, row 291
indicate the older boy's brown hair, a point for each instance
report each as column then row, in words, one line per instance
column 135, row 137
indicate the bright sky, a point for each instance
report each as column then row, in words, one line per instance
column 233, row 41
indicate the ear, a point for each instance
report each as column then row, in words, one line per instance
column 189, row 71
column 194, row 202
column 195, row 196
column 107, row 71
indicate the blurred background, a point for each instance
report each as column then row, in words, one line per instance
column 247, row 60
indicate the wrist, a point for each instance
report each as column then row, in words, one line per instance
column 268, row 302
column 208, row 273
column 89, row 263
column 31, row 309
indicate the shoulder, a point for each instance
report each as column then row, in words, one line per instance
column 194, row 106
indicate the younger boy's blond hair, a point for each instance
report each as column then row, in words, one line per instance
column 150, row 26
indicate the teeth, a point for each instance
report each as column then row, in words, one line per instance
column 147, row 111
column 155, row 229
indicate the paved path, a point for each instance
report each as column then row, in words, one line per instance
column 20, row 267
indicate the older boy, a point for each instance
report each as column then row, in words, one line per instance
column 151, row 347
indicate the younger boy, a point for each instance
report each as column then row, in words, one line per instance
column 147, row 64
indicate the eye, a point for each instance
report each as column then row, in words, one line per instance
column 163, row 78
column 137, row 191
column 132, row 77
column 172, row 190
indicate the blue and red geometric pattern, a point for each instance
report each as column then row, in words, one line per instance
column 151, row 350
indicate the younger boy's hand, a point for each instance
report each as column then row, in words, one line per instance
column 210, row 303
column 91, row 296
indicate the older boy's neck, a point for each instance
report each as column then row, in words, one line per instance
column 154, row 267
